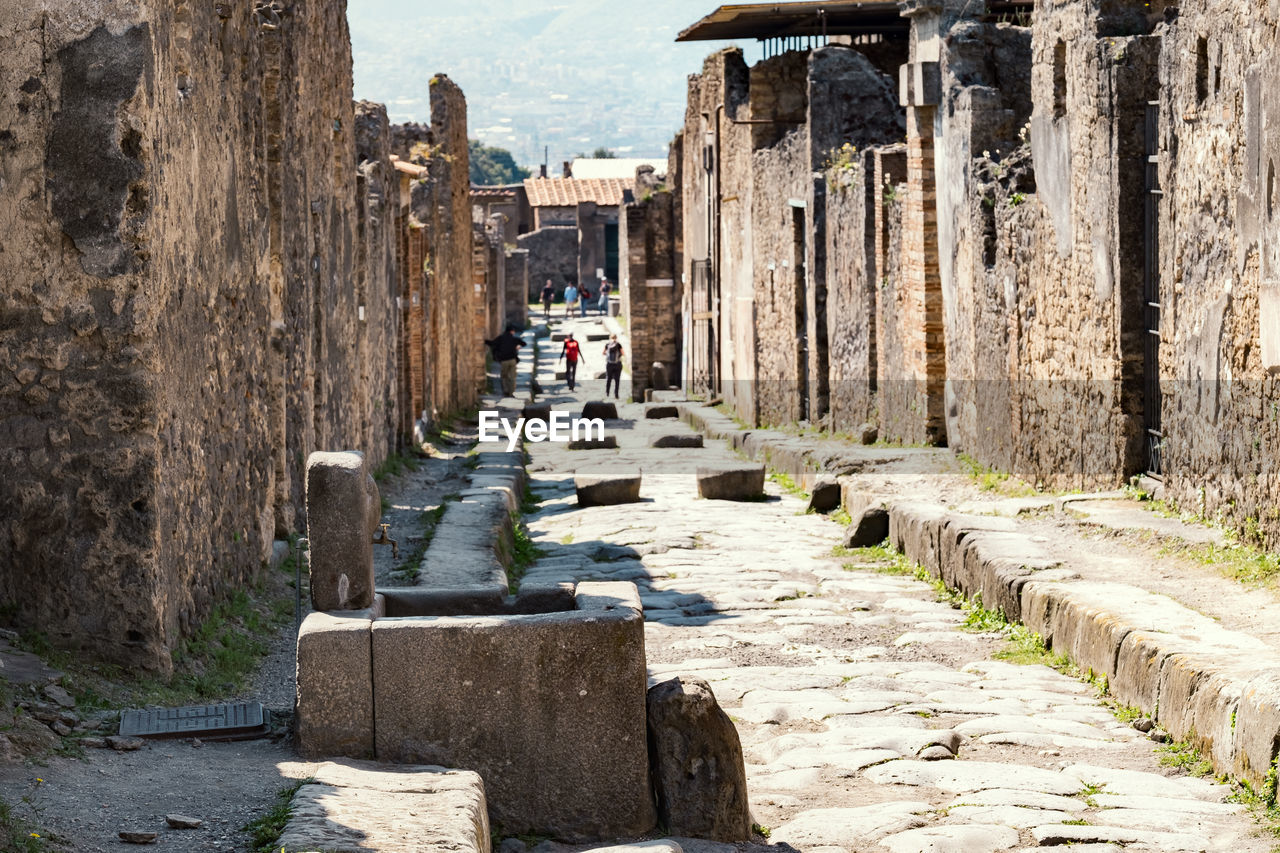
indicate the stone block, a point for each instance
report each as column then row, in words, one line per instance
column 731, row 483
column 698, row 774
column 661, row 411
column 536, row 411
column 870, row 528
column 824, row 496
column 608, row 442
column 334, row 687
column 868, row 434
column 1258, row 727
column 343, row 508
column 560, row 742
column 685, row 440
column 600, row 409
column 607, row 489
column 348, row 806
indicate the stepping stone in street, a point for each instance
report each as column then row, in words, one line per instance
column 607, row 489
column 658, row 412
column 825, row 496
column 868, row 529
column 609, row 442
column 600, row 409
column 677, row 440
column 536, row 411
column 731, row 483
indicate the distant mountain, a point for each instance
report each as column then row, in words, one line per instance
column 570, row 75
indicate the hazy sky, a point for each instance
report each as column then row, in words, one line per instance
column 569, row 75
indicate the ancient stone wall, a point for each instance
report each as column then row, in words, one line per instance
column 191, row 238
column 1044, row 318
column 1219, row 152
column 712, row 200
column 553, row 254
column 780, row 225
column 647, row 291
column 900, row 386
column 453, row 356
column 852, row 280
column 516, row 276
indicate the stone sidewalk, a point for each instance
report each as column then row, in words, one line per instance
column 871, row 719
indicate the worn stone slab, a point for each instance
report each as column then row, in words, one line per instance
column 849, row 827
column 980, row 838
column 334, row 687
column 607, row 489
column 365, row 806
column 1057, row 834
column 961, row 776
column 677, row 440
column 583, row 771
column 343, row 509
column 730, row 482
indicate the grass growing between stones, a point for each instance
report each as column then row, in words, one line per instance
column 788, row 485
column 524, row 554
column 1183, row 755
column 268, row 827
column 990, row 480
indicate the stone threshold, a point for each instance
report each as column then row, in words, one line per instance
column 1199, row 680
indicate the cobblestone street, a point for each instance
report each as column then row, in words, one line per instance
column 872, row 716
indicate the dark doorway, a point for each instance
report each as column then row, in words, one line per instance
column 611, row 251
column 798, row 255
column 1153, row 430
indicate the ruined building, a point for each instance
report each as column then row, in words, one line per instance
column 211, row 267
column 1036, row 233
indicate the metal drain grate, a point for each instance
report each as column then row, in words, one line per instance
column 211, row 722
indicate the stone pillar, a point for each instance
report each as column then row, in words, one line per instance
column 343, row 509
column 920, row 86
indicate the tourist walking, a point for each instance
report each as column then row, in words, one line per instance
column 506, row 351
column 570, row 301
column 613, row 366
column 603, row 304
column 548, row 296
column 584, row 296
column 570, row 352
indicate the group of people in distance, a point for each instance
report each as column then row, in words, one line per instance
column 576, row 298
column 506, row 347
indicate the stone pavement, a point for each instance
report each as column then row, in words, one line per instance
column 871, row 720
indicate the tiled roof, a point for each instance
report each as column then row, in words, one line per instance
column 568, row 192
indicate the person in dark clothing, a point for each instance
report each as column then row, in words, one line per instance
column 571, row 352
column 548, row 295
column 613, row 366
column 506, row 350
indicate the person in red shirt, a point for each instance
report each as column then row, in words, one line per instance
column 571, row 352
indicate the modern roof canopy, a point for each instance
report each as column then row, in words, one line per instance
column 764, row 21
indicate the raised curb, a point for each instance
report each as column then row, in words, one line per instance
column 1200, row 681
